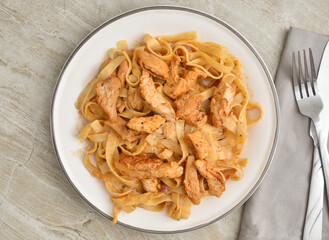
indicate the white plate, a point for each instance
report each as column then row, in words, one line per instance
column 83, row 65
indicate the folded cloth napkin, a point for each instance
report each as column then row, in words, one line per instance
column 277, row 209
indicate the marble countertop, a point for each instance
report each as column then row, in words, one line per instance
column 36, row 37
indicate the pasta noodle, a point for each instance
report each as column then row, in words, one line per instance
column 166, row 123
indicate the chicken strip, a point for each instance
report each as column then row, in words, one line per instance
column 201, row 74
column 191, row 181
column 221, row 102
column 146, row 124
column 150, row 185
column 190, row 77
column 156, row 66
column 180, row 80
column 122, row 72
column 175, row 85
column 107, row 95
column 135, row 101
column 119, row 125
column 165, row 131
column 145, row 166
column 201, row 147
column 169, row 130
column 107, row 92
column 215, row 179
column 175, row 69
column 153, row 98
column 175, row 89
column 183, row 85
column 188, row 107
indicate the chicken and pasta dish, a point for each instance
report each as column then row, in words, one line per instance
column 166, row 122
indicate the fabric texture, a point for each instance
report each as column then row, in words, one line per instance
column 277, row 209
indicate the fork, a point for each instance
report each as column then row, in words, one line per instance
column 310, row 104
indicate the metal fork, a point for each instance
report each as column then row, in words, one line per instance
column 310, row 104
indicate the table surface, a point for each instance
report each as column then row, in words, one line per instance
column 36, row 38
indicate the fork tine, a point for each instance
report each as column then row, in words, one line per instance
column 301, row 78
column 294, row 78
column 313, row 73
column 306, row 76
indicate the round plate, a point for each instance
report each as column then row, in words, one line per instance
column 83, row 65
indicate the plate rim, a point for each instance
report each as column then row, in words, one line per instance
column 236, row 33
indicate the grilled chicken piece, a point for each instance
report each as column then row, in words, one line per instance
column 122, row 72
column 150, row 185
column 221, row 102
column 188, row 107
column 191, row 181
column 130, row 52
column 156, row 66
column 167, row 130
column 175, row 89
column 174, row 68
column 146, row 124
column 201, row 147
column 190, row 77
column 215, row 179
column 201, row 74
column 119, row 125
column 145, row 166
column 107, row 95
column 175, row 86
column 153, row 98
column 180, row 80
column 135, row 101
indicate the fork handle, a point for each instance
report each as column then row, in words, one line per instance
column 313, row 219
column 322, row 136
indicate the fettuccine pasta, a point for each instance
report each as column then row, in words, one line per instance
column 166, row 123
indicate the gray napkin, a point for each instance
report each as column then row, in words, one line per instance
column 277, row 209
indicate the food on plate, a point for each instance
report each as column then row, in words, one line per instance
column 166, row 122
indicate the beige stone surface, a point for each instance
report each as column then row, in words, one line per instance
column 36, row 37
